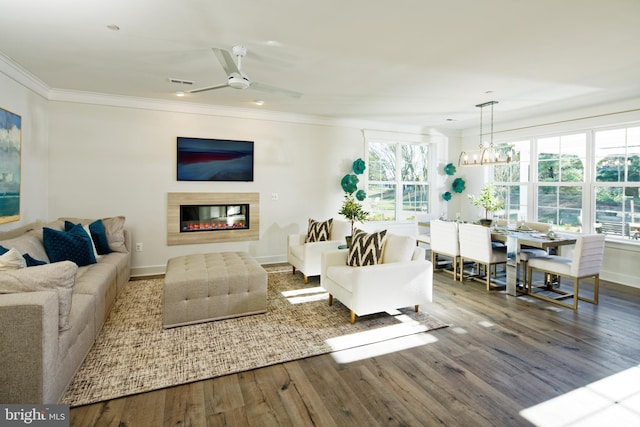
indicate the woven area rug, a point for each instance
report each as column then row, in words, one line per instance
column 134, row 354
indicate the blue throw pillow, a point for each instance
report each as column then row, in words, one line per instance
column 3, row 250
column 73, row 245
column 31, row 261
column 99, row 236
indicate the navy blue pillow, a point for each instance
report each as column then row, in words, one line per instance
column 31, row 261
column 99, row 236
column 3, row 250
column 73, row 245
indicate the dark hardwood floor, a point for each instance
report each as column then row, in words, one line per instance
column 500, row 355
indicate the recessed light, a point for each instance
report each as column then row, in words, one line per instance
column 113, row 27
column 259, row 102
column 273, row 43
column 179, row 93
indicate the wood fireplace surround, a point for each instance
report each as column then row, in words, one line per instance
column 247, row 228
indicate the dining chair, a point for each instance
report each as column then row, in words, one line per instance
column 476, row 246
column 444, row 242
column 586, row 262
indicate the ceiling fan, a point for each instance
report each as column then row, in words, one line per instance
column 237, row 79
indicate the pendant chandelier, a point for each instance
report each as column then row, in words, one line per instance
column 491, row 155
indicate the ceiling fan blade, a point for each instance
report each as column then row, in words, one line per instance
column 272, row 89
column 202, row 89
column 226, row 60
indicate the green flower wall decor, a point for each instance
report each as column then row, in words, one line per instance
column 349, row 183
column 450, row 169
column 458, row 185
column 359, row 166
column 446, row 196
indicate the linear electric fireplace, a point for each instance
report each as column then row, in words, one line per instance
column 212, row 217
column 197, row 218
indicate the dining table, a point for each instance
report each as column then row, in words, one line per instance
column 517, row 238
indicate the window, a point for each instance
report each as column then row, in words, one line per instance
column 560, row 180
column 512, row 182
column 617, row 182
column 397, row 186
column 583, row 182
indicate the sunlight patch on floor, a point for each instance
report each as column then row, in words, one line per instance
column 362, row 345
column 300, row 296
column 613, row 401
column 383, row 347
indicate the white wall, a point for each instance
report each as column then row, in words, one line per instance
column 107, row 161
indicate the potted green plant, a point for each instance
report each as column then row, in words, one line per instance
column 489, row 200
column 353, row 211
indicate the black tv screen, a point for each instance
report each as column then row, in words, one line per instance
column 201, row 159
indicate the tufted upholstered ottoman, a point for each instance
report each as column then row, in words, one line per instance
column 213, row 286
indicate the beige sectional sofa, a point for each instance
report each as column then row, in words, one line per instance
column 51, row 314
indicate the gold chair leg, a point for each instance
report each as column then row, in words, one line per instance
column 488, row 276
column 293, row 269
column 330, row 299
column 417, row 307
column 306, row 280
column 352, row 317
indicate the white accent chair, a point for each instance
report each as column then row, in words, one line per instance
column 475, row 246
column 586, row 262
column 403, row 279
column 306, row 256
column 444, row 242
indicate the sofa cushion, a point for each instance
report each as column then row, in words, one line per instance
column 73, row 245
column 319, row 231
column 366, row 249
column 11, row 259
column 58, row 277
column 30, row 243
column 398, row 248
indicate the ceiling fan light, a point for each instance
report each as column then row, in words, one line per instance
column 239, row 82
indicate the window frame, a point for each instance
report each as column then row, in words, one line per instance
column 398, row 182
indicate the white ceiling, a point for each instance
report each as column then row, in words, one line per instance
column 416, row 62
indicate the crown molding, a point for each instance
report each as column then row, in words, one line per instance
column 22, row 76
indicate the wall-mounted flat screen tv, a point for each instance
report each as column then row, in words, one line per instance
column 201, row 159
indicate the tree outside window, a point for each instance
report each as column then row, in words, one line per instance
column 397, row 180
column 560, row 175
column 617, row 182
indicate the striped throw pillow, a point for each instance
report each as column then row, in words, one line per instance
column 366, row 249
column 319, row 231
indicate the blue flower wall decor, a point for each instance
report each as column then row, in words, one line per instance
column 349, row 183
column 359, row 166
column 449, row 169
column 458, row 185
column 361, row 195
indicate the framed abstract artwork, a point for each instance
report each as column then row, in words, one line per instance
column 10, row 157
